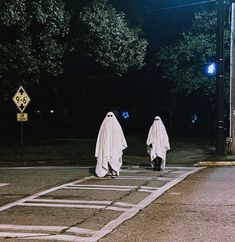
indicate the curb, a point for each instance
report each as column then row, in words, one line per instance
column 216, row 163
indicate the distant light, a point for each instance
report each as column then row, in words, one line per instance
column 38, row 111
column 125, row 114
column 210, row 69
column 194, row 118
column 52, row 111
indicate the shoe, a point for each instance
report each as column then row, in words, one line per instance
column 154, row 165
column 159, row 162
column 115, row 174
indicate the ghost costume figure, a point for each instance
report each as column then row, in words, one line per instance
column 157, row 144
column 109, row 146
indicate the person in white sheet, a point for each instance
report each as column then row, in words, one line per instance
column 109, row 147
column 157, row 144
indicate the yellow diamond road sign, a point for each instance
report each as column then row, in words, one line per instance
column 21, row 99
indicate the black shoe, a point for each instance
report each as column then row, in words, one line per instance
column 154, row 165
column 159, row 162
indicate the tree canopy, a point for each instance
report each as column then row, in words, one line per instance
column 183, row 62
column 110, row 40
column 35, row 34
column 32, row 33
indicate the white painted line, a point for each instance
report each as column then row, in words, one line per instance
column 60, row 205
column 146, row 178
column 51, row 205
column 150, row 188
column 150, row 169
column 31, row 236
column 113, row 208
column 108, row 186
column 145, row 190
column 19, row 235
column 178, row 172
column 124, row 204
column 180, row 167
column 98, row 188
column 30, row 227
column 131, row 212
column 45, row 167
column 81, row 230
column 9, row 205
column 68, row 201
column 4, row 184
column 163, row 178
column 62, row 238
column 47, row 228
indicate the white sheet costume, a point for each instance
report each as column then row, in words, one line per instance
column 158, row 142
column 109, row 146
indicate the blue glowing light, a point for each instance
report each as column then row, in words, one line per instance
column 125, row 114
column 210, row 69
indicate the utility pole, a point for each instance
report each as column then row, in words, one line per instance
column 220, row 141
column 232, row 80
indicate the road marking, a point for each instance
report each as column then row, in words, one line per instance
column 145, row 178
column 4, row 184
column 72, row 204
column 131, row 212
column 94, row 185
column 35, row 236
column 70, row 201
column 9, row 205
column 59, row 233
column 164, row 178
column 53, row 205
column 46, row 167
column 98, row 188
column 178, row 172
column 101, row 187
column 47, row 228
column 125, row 204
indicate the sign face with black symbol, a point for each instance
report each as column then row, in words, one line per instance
column 22, row 117
column 21, row 99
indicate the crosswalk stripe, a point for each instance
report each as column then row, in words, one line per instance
column 69, row 201
column 99, row 188
column 4, row 184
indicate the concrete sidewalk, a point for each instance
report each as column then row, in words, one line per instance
column 200, row 208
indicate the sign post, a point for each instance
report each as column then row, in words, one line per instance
column 21, row 100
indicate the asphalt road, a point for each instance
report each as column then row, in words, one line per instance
column 200, row 209
column 71, row 204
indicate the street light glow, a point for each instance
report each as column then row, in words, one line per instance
column 211, row 69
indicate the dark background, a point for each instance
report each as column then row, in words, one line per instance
column 82, row 96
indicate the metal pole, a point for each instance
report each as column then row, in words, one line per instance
column 232, row 80
column 220, row 141
column 21, row 139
